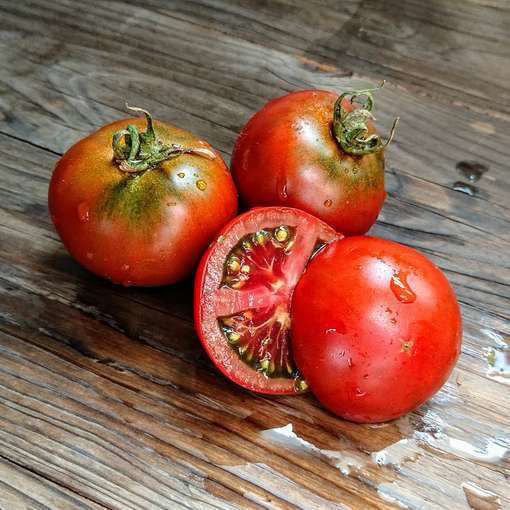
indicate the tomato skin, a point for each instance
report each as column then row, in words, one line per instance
column 286, row 155
column 368, row 356
column 151, row 232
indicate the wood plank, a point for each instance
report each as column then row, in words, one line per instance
column 21, row 489
column 107, row 392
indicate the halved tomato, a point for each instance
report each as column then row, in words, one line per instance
column 243, row 290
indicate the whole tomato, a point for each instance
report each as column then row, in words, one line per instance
column 376, row 328
column 139, row 207
column 313, row 151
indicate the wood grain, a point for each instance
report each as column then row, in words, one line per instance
column 106, row 397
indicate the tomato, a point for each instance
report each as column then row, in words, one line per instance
column 242, row 295
column 310, row 150
column 140, row 212
column 376, row 328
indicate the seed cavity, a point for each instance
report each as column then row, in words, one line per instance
column 233, row 265
column 233, row 338
column 261, row 237
column 260, row 337
column 281, row 233
column 257, row 259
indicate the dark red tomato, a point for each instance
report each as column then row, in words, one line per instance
column 310, row 150
column 376, row 328
column 141, row 214
column 242, row 295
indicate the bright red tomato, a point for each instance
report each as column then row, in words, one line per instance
column 144, row 213
column 376, row 328
column 309, row 150
column 243, row 288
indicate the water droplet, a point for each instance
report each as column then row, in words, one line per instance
column 401, row 288
column 181, row 175
column 471, row 170
column 283, row 192
column 125, row 267
column 349, row 362
column 90, row 255
column 360, row 393
column 83, row 211
column 127, row 283
column 201, row 185
column 466, row 188
column 328, row 203
column 330, row 330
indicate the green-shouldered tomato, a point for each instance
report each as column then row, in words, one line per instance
column 139, row 207
column 311, row 150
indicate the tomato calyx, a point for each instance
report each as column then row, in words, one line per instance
column 136, row 151
column 350, row 128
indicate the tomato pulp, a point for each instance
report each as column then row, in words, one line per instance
column 141, row 214
column 243, row 289
column 310, row 150
column 376, row 328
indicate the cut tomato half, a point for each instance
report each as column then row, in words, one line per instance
column 243, row 291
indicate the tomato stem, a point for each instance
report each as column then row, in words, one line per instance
column 136, row 151
column 351, row 127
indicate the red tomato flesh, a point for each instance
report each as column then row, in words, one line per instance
column 376, row 328
column 243, row 289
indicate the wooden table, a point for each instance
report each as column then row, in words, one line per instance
column 107, row 399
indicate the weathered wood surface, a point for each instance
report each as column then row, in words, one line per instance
column 106, row 398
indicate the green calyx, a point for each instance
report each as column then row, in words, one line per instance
column 136, row 151
column 351, row 127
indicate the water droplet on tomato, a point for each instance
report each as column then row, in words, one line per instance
column 83, row 211
column 330, row 330
column 360, row 393
column 401, row 288
column 127, row 283
column 125, row 267
column 201, row 185
column 90, row 255
column 328, row 203
column 283, row 192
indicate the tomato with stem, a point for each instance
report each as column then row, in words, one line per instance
column 139, row 206
column 315, row 151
